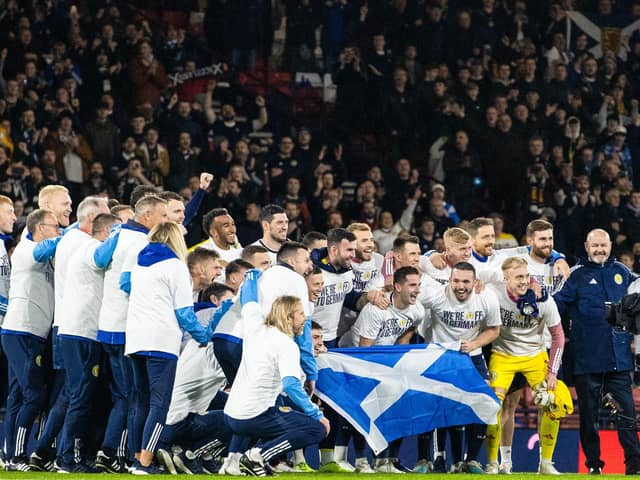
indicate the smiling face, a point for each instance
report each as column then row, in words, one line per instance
column 223, row 231
column 517, row 280
column 408, row 289
column 598, row 246
column 364, row 244
column 461, row 283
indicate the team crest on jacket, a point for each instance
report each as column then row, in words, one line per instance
column 95, row 371
column 39, row 360
column 618, row 279
column 284, row 409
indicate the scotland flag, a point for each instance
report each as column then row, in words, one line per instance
column 390, row 392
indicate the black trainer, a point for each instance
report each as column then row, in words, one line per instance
column 252, row 467
column 41, row 464
column 17, row 464
column 109, row 464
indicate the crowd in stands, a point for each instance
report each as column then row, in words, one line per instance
column 444, row 110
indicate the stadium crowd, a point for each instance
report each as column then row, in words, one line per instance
column 450, row 117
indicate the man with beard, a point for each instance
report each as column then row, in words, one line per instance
column 460, row 314
column 275, row 225
column 222, row 235
column 367, row 276
column 392, row 325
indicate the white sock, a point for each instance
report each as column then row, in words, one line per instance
column 340, row 454
column 361, row 460
column 439, row 454
column 326, row 456
column 298, row 457
column 505, row 454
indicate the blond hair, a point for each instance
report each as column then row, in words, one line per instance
column 7, row 200
column 455, row 235
column 281, row 314
column 170, row 234
column 44, row 197
column 358, row 227
column 514, row 262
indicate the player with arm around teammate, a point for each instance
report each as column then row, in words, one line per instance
column 520, row 348
column 460, row 314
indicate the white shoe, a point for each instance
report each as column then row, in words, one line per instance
column 362, row 466
column 282, row 467
column 492, row 468
column 344, row 465
column 506, row 468
column 387, row 466
column 546, row 468
column 231, row 465
column 458, row 467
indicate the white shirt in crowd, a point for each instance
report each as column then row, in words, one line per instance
column 330, row 302
column 157, row 291
column 267, row 358
column 522, row 335
column 113, row 311
column 451, row 320
column 31, row 298
column 384, row 327
column 84, row 286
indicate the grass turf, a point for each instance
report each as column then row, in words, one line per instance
column 309, row 476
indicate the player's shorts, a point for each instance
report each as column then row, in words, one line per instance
column 504, row 367
column 481, row 366
column 519, row 382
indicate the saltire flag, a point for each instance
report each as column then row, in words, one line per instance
column 603, row 33
column 390, row 392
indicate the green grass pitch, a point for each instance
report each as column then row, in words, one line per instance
column 309, row 476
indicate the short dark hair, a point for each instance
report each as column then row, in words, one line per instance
column 314, row 271
column 465, row 267
column 401, row 241
column 336, row 235
column 538, row 225
column 237, row 265
column 289, row 249
column 312, row 237
column 102, row 220
column 400, row 275
column 315, row 325
column 140, row 191
column 169, row 195
column 207, row 219
column 250, row 250
column 477, row 223
column 216, row 289
column 269, row 211
column 200, row 254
